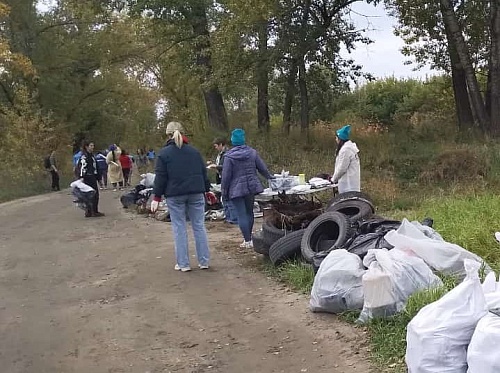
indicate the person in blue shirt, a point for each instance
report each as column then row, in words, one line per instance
column 151, row 157
column 76, row 158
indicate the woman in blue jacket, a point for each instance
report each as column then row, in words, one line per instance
column 240, row 182
column 181, row 176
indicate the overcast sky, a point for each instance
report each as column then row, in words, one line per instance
column 383, row 57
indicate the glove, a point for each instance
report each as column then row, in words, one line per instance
column 154, row 206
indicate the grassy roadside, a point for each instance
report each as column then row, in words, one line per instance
column 469, row 221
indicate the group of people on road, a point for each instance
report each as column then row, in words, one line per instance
column 182, row 177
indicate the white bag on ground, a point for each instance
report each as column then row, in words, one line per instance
column 438, row 336
column 483, row 354
column 148, row 180
column 337, row 285
column 491, row 290
column 443, row 256
column 391, row 278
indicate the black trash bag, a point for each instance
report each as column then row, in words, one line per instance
column 128, row 199
column 131, row 198
column 83, row 199
column 318, row 259
column 370, row 235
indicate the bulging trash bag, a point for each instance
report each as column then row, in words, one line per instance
column 392, row 277
column 148, row 180
column 337, row 286
column 491, row 290
column 442, row 256
column 483, row 354
column 438, row 336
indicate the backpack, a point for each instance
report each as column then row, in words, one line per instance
column 46, row 162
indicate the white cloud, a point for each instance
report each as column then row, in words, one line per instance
column 383, row 57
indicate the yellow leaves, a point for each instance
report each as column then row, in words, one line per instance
column 4, row 9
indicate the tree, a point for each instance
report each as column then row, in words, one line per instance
column 186, row 23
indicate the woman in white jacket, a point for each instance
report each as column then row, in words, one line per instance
column 347, row 168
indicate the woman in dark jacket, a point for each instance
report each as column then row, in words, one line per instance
column 87, row 172
column 181, row 176
column 240, row 182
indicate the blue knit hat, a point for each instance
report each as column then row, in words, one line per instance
column 238, row 137
column 344, row 133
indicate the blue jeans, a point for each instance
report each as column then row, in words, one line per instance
column 244, row 211
column 229, row 212
column 194, row 206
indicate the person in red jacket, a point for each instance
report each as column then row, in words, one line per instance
column 126, row 164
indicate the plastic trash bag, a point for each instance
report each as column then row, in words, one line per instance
column 442, row 256
column 337, row 286
column 391, row 278
column 483, row 354
column 491, row 290
column 438, row 336
column 148, row 180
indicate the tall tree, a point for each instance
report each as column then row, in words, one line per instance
column 186, row 23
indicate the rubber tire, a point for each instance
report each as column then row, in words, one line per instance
column 351, row 195
column 287, row 247
column 355, row 209
column 259, row 246
column 271, row 234
column 312, row 234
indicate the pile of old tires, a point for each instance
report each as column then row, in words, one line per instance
column 331, row 229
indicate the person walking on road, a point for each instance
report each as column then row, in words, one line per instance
column 115, row 174
column 181, row 176
column 87, row 172
column 240, row 182
column 126, row 164
column 102, row 170
column 54, row 171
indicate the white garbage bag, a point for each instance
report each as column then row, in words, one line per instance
column 391, row 278
column 442, row 256
column 148, row 180
column 82, row 186
column 438, row 336
column 337, row 285
column 491, row 290
column 483, row 354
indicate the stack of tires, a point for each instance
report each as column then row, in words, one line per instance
column 337, row 225
column 329, row 230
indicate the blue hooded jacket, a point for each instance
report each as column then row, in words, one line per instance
column 239, row 174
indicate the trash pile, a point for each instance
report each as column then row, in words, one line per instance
column 140, row 198
column 461, row 331
column 362, row 262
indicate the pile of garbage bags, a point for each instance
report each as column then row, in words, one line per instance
column 460, row 332
column 140, row 198
column 380, row 283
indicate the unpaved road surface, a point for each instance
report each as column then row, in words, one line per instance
column 100, row 295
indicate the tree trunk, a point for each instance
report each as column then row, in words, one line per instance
column 303, row 48
column 217, row 116
column 289, row 96
column 304, row 97
column 263, row 79
column 451, row 22
column 462, row 103
column 494, row 70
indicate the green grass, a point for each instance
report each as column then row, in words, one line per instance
column 469, row 221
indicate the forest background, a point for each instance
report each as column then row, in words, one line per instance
column 116, row 71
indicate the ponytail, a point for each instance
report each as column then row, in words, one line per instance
column 179, row 141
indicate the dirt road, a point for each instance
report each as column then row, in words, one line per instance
column 101, row 295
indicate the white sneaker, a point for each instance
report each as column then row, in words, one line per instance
column 247, row 245
column 185, row 269
column 203, row 267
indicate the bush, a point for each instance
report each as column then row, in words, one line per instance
column 456, row 165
